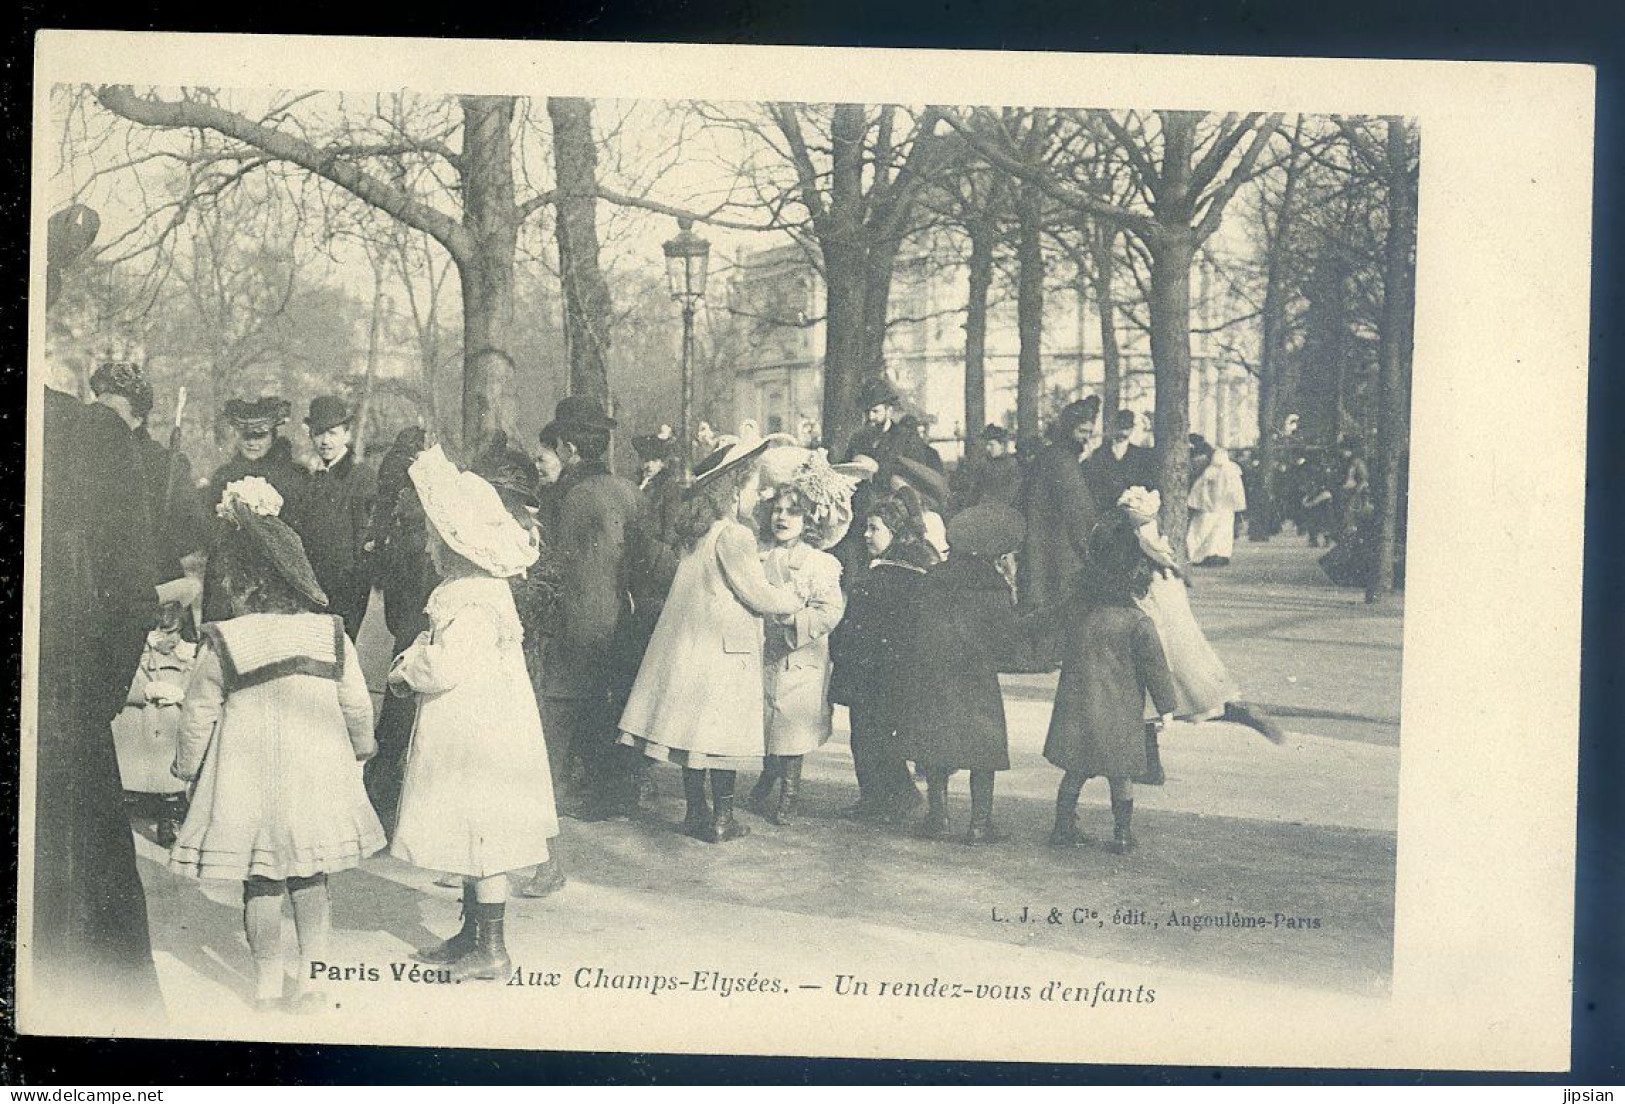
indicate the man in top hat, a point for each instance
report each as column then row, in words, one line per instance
column 335, row 512
column 1119, row 463
column 606, row 548
column 261, row 452
column 164, row 477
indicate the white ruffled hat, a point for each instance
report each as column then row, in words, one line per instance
column 469, row 516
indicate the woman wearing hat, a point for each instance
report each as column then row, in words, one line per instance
column 477, row 800
column 261, row 453
column 277, row 716
column 698, row 699
column 807, row 516
column 951, row 714
column 1059, row 511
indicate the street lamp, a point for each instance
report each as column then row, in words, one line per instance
column 687, row 256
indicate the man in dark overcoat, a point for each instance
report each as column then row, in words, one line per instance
column 98, row 596
column 602, row 538
column 1119, row 463
column 1058, row 510
column 335, row 511
column 260, row 452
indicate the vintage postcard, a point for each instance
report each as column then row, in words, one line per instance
column 804, row 551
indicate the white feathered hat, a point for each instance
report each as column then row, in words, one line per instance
column 469, row 516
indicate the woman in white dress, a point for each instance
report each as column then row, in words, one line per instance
column 1215, row 498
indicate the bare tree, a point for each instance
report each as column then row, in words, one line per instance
column 1187, row 168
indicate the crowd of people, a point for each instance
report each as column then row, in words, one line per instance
column 560, row 630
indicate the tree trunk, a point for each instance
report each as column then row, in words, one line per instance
column 587, row 304
column 1170, row 308
column 1103, row 248
column 845, row 274
column 487, row 274
column 983, row 235
column 1395, row 353
column 1029, row 310
column 364, row 405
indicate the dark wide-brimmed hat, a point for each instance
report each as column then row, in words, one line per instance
column 989, row 530
column 124, row 377
column 876, row 391
column 259, row 416
column 923, row 478
column 655, row 446
column 327, row 411
column 578, row 412
column 252, row 507
column 1124, row 418
column 725, row 458
column 510, row 471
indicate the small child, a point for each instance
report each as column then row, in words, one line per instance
column 1111, row 659
column 276, row 724
column 807, row 516
column 963, row 628
column 477, row 800
column 867, row 652
column 146, row 730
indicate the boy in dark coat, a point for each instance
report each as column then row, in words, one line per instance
column 1112, row 658
column 866, row 651
column 964, row 623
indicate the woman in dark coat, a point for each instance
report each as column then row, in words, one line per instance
column 952, row 710
column 260, row 452
column 1112, row 659
column 866, row 651
column 1059, row 511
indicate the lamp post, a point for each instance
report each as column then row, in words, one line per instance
column 687, row 257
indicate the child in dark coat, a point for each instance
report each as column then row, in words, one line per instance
column 963, row 623
column 1111, row 660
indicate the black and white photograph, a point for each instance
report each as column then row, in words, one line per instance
column 520, row 564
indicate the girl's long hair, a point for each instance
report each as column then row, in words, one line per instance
column 705, row 505
column 253, row 582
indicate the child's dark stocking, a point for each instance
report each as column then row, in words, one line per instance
column 762, row 792
column 935, row 825
column 262, row 922
column 1153, row 775
column 789, row 773
column 698, row 821
column 1065, row 832
column 1122, row 814
column 981, row 808
column 723, row 825
column 313, row 921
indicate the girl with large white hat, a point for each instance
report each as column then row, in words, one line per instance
column 477, row 800
column 698, row 698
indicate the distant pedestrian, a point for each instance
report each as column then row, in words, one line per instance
column 1214, row 500
column 277, row 721
column 477, row 801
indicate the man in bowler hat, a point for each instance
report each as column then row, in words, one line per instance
column 335, row 513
